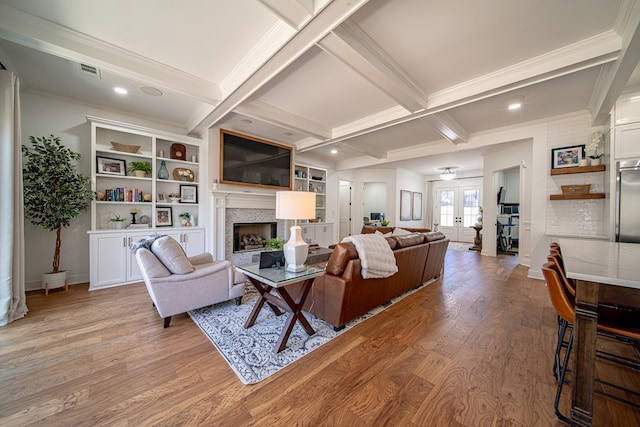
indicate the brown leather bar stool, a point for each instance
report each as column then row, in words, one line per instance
column 612, row 323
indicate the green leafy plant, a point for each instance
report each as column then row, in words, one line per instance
column 384, row 222
column 54, row 191
column 140, row 166
column 275, row 243
column 116, row 218
column 185, row 215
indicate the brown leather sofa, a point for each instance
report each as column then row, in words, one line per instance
column 366, row 229
column 342, row 294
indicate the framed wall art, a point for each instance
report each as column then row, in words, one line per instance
column 416, row 206
column 164, row 217
column 188, row 194
column 405, row 205
column 567, row 157
column 109, row 166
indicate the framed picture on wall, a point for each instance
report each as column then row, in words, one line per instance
column 405, row 205
column 109, row 166
column 416, row 206
column 567, row 157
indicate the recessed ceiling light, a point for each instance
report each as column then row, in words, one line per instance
column 246, row 121
column 120, row 90
column 334, row 151
column 152, row 91
column 515, row 103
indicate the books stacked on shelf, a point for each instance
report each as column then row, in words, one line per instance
column 123, row 194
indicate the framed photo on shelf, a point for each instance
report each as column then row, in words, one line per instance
column 164, row 217
column 416, row 206
column 188, row 193
column 109, row 166
column 567, row 157
column 405, row 205
column 161, row 198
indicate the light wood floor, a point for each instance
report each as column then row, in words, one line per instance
column 471, row 349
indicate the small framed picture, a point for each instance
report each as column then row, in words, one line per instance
column 405, row 205
column 567, row 157
column 109, row 166
column 161, row 198
column 416, row 206
column 164, row 217
column 188, row 193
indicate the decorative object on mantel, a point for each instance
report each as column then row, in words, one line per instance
column 594, row 147
column 182, row 174
column 125, row 148
column 178, row 151
column 249, row 352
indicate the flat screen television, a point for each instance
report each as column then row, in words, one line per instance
column 245, row 160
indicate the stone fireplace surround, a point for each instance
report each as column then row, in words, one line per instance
column 231, row 207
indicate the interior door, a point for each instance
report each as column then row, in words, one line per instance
column 345, row 209
column 457, row 211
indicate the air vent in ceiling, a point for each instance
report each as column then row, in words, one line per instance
column 90, row 71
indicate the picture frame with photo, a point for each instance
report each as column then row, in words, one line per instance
column 405, row 205
column 416, row 206
column 188, row 193
column 108, row 166
column 567, row 157
column 161, row 198
column 164, row 217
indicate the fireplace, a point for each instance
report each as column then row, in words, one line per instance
column 251, row 236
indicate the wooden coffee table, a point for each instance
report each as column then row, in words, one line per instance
column 267, row 279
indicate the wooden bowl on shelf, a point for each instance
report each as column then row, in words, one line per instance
column 125, row 148
column 573, row 190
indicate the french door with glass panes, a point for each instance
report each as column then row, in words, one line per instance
column 456, row 211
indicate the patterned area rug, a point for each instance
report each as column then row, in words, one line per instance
column 249, row 352
column 459, row 246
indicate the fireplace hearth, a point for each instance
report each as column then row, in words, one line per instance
column 252, row 236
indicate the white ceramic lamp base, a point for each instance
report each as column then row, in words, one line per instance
column 296, row 250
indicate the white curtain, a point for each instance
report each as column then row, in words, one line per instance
column 12, row 289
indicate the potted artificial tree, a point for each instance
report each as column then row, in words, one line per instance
column 54, row 193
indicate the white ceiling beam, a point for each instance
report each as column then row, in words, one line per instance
column 318, row 27
column 353, row 47
column 267, row 113
column 447, row 126
column 295, row 13
column 367, row 150
column 46, row 36
column 615, row 76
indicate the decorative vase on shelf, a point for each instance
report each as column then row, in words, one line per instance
column 163, row 173
column 583, row 162
column 595, row 162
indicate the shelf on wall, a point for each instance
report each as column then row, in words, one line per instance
column 577, row 196
column 578, row 169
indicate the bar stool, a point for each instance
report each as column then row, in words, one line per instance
column 612, row 323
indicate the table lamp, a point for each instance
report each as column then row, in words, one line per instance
column 295, row 205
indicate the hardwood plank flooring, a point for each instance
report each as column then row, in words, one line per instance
column 473, row 348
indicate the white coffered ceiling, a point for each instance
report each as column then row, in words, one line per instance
column 387, row 83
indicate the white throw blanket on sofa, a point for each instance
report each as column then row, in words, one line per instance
column 375, row 254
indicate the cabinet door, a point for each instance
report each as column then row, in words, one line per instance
column 108, row 254
column 308, row 233
column 324, row 235
column 193, row 242
column 133, row 270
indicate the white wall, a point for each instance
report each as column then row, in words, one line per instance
column 43, row 116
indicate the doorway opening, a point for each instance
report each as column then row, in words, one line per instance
column 344, row 208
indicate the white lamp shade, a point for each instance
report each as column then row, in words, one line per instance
column 295, row 205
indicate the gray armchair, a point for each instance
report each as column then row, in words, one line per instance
column 177, row 283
